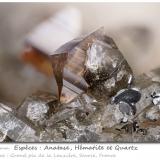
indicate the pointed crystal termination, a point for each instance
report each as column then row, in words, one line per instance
column 58, row 63
column 106, row 69
column 68, row 61
column 92, row 61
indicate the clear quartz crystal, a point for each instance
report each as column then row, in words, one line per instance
column 14, row 128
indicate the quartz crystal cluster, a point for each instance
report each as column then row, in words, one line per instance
column 115, row 105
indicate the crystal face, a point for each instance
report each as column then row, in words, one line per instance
column 102, row 100
column 96, row 57
column 127, row 95
column 91, row 61
column 15, row 128
column 106, row 69
column 68, row 61
column 36, row 111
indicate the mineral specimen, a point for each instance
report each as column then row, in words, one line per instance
column 106, row 69
column 127, row 95
column 127, row 98
column 97, row 60
column 39, row 44
column 38, row 107
column 86, row 119
column 102, row 102
column 68, row 61
column 92, row 61
column 15, row 128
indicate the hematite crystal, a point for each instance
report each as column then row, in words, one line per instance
column 110, row 110
column 128, row 96
column 126, row 99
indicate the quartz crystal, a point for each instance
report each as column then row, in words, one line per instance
column 15, row 128
column 103, row 100
column 106, row 69
column 38, row 107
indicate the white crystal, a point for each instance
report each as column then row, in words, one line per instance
column 95, row 56
column 36, row 111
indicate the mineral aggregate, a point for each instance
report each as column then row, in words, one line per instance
column 14, row 128
column 116, row 107
column 86, row 119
